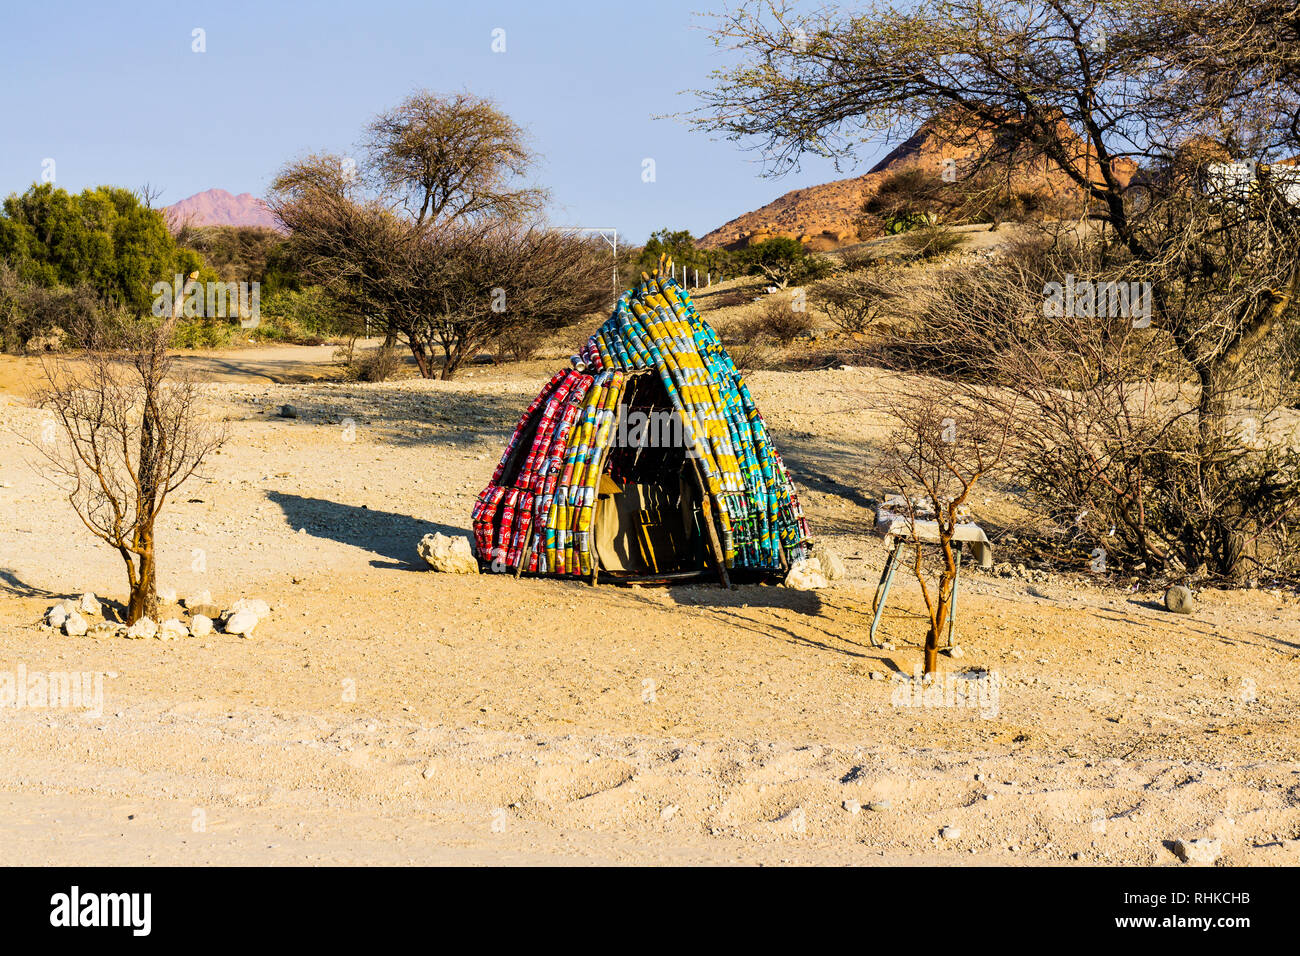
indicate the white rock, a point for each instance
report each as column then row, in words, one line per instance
column 89, row 604
column 56, row 615
column 256, row 607
column 241, row 623
column 831, row 564
column 950, row 833
column 198, row 600
column 74, row 625
column 450, row 554
column 806, row 575
column 172, row 629
column 200, row 626
column 167, row 595
column 1201, row 852
column 852, row 805
column 141, row 629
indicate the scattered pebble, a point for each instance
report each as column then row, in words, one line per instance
column 1198, row 852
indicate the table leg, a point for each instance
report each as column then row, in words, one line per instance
column 952, row 601
column 882, row 589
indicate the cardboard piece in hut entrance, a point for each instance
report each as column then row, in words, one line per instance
column 639, row 529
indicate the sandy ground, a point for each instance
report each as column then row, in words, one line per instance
column 387, row 714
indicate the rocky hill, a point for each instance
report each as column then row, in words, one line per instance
column 827, row 216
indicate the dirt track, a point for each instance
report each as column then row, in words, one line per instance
column 388, row 714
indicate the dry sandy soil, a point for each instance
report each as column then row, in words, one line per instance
column 388, row 714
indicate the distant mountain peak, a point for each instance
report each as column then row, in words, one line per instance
column 218, row 207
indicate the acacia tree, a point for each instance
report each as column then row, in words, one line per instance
column 445, row 288
column 488, row 281
column 450, row 158
column 1095, row 90
column 128, row 433
column 432, row 237
column 782, row 260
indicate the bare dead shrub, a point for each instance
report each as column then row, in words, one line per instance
column 376, row 365
column 782, row 322
column 856, row 259
column 519, row 343
column 1107, row 444
column 852, row 300
column 128, row 432
column 932, row 241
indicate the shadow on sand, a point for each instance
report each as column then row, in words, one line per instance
column 383, row 533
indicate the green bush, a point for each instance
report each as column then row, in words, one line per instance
column 304, row 317
column 680, row 246
column 203, row 334
column 104, row 238
column 784, row 261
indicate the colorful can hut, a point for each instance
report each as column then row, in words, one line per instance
column 647, row 460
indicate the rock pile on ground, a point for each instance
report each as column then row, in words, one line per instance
column 240, row 619
column 1005, row 569
column 142, row 629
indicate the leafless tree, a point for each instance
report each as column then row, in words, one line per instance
column 948, row 437
column 128, row 432
column 149, row 194
column 853, row 300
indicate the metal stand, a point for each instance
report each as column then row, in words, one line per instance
column 887, row 579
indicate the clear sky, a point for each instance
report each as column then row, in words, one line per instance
column 113, row 93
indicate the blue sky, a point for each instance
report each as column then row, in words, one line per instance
column 117, row 96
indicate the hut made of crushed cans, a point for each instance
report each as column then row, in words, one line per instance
column 646, row 459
